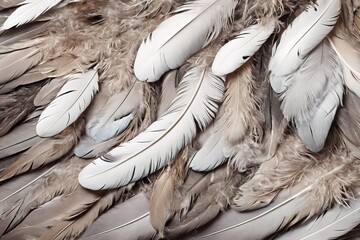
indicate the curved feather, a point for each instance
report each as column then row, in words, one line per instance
column 303, row 35
column 73, row 98
column 28, row 11
column 193, row 26
column 236, row 52
column 195, row 106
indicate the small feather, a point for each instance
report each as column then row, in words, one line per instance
column 236, row 52
column 191, row 28
column 73, row 98
column 195, row 105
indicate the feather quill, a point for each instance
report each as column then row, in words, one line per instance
column 196, row 104
column 193, row 26
column 73, row 98
column 236, row 52
column 28, row 11
column 296, row 42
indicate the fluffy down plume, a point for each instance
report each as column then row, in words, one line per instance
column 254, row 121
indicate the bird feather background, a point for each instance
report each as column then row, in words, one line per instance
column 175, row 119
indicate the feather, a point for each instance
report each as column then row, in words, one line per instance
column 303, row 35
column 89, row 148
column 44, row 152
column 168, row 91
column 73, row 98
column 116, row 115
column 314, row 95
column 48, row 92
column 16, row 63
column 23, row 33
column 191, row 28
column 237, row 51
column 349, row 57
column 32, row 76
column 195, row 105
column 210, row 155
column 28, row 11
column 19, row 139
column 331, row 224
column 130, row 220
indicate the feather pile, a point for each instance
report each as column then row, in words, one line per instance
column 174, row 119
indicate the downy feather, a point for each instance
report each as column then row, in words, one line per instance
column 303, row 35
column 236, row 52
column 73, row 98
column 28, row 11
column 195, row 105
column 193, row 26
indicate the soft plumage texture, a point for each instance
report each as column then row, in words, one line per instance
column 195, row 105
column 191, row 28
column 73, row 98
column 303, row 35
column 291, row 184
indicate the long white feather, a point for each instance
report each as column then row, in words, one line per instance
column 350, row 59
column 195, row 106
column 73, row 98
column 192, row 27
column 303, row 35
column 236, row 52
column 330, row 225
column 28, row 11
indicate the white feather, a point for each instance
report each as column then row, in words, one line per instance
column 210, row 154
column 350, row 59
column 195, row 106
column 192, row 27
column 73, row 98
column 236, row 52
column 303, row 35
column 28, row 11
